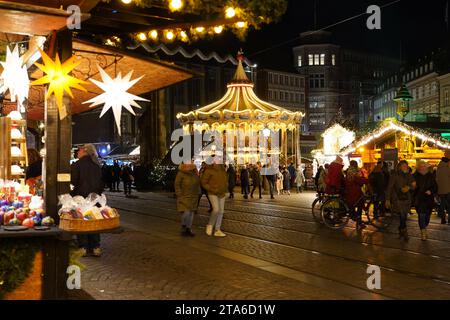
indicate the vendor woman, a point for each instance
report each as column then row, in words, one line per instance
column 34, row 170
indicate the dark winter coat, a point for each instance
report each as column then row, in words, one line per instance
column 256, row 176
column 231, row 178
column 86, row 177
column 401, row 201
column 187, row 190
column 286, row 180
column 443, row 176
column 424, row 182
column 245, row 178
column 378, row 182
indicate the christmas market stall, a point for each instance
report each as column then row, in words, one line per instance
column 240, row 114
column 392, row 141
column 47, row 77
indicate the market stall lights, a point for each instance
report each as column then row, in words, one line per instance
column 175, row 5
column 154, row 34
column 116, row 95
column 59, row 80
column 15, row 76
column 127, row 1
column 183, row 35
column 241, row 24
column 218, row 29
column 170, row 35
column 142, row 36
column 200, row 29
column 230, row 12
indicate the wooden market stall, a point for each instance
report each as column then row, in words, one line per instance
column 43, row 253
column 392, row 141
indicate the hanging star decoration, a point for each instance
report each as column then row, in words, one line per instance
column 59, row 80
column 15, row 76
column 115, row 95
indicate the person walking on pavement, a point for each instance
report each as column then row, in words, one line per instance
column 215, row 181
column 279, row 177
column 443, row 182
column 187, row 190
column 378, row 184
column 268, row 172
column 299, row 180
column 424, row 194
column 204, row 192
column 127, row 178
column 231, row 180
column 86, row 178
column 286, row 181
column 292, row 173
column 245, row 181
column 255, row 173
column 116, row 173
column 399, row 195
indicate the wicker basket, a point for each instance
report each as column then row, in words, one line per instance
column 80, row 225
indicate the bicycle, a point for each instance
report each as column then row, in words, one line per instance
column 336, row 213
column 317, row 205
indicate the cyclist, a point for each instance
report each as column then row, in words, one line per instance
column 354, row 181
column 335, row 178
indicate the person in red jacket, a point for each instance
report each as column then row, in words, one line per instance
column 354, row 181
column 334, row 179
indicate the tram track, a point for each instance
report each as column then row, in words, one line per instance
column 438, row 278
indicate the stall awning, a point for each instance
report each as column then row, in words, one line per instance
column 157, row 74
column 391, row 126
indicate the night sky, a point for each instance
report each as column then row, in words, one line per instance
column 410, row 29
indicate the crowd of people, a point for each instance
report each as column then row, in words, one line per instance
column 216, row 180
column 426, row 188
column 113, row 175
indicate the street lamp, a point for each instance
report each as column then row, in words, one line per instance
column 402, row 99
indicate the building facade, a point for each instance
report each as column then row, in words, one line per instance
column 282, row 88
column 444, row 97
column 338, row 79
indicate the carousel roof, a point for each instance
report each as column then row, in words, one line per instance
column 240, row 104
column 390, row 126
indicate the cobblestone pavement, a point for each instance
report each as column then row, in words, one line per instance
column 274, row 250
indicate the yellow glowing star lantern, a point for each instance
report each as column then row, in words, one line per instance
column 218, row 29
column 230, row 12
column 59, row 80
column 116, row 95
column 175, row 5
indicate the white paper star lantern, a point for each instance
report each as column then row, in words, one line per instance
column 15, row 76
column 116, row 95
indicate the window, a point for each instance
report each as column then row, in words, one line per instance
column 333, row 59
column 322, row 59
column 317, row 103
column 299, row 61
column 302, row 82
column 270, row 94
column 302, row 98
column 421, row 70
column 317, row 118
column 431, row 65
column 446, row 98
column 277, row 80
column 310, row 59
column 297, row 82
column 316, row 59
column 286, row 80
column 426, row 68
column 270, row 77
column 317, row 81
column 292, row 97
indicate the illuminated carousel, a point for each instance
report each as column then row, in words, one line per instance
column 242, row 115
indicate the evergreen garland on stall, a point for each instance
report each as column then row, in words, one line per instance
column 16, row 263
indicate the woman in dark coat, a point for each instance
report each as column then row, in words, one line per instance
column 286, row 181
column 86, row 178
column 245, row 182
column 426, row 188
column 231, row 180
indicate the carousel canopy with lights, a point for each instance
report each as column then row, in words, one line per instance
column 240, row 106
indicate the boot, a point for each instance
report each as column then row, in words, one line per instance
column 424, row 234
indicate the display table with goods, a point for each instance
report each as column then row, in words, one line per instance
column 33, row 250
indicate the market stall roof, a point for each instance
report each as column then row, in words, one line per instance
column 34, row 17
column 391, row 126
column 157, row 74
column 241, row 105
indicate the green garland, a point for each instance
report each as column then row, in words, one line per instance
column 16, row 262
column 254, row 12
